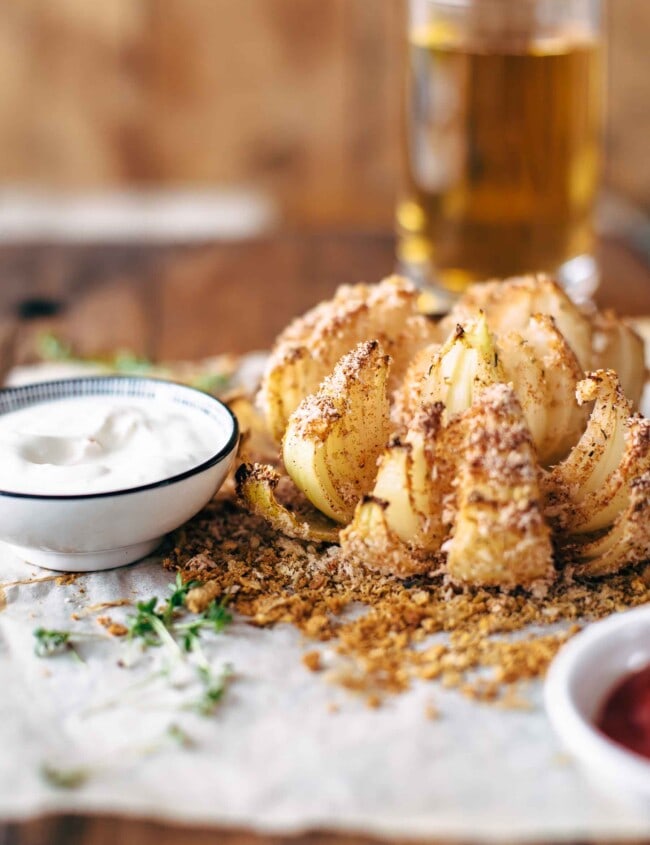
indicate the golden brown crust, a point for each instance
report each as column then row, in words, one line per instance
column 522, row 335
column 256, row 486
column 308, row 349
column 500, row 537
column 509, row 305
column 588, row 490
column 369, row 542
column 616, row 346
column 626, row 543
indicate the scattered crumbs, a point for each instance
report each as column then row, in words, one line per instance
column 115, row 629
column 28, row 581
column 180, row 736
column 333, row 707
column 484, row 647
column 198, row 598
column 513, row 699
column 562, row 759
column 67, row 578
column 312, row 661
column 102, row 605
column 373, row 701
column 432, row 712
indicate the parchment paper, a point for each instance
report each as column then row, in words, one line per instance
column 274, row 756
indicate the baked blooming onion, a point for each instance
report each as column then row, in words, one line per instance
column 495, row 446
column 309, row 348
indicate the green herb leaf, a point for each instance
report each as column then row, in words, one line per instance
column 211, row 382
column 214, row 689
column 178, row 735
column 142, row 625
column 52, row 348
column 190, row 635
column 50, row 642
column 217, row 615
column 64, row 778
column 179, row 589
column 125, row 361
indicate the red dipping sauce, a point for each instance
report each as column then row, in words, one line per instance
column 625, row 717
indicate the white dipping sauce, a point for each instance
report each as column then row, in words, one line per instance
column 98, row 444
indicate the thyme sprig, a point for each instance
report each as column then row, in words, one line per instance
column 156, row 625
column 153, row 624
column 214, row 689
column 163, row 624
column 52, row 348
column 50, row 642
column 64, row 778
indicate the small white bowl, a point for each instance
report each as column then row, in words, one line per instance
column 579, row 681
column 94, row 531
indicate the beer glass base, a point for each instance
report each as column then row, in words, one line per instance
column 436, row 299
column 579, row 276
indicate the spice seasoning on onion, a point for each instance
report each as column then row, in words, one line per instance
column 422, row 629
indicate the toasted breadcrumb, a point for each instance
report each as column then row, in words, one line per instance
column 115, row 629
column 432, row 712
column 423, row 629
column 198, row 598
column 312, row 661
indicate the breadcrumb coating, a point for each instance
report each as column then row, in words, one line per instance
column 422, row 629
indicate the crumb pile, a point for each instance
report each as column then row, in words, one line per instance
column 386, row 633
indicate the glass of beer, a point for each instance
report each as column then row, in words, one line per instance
column 501, row 141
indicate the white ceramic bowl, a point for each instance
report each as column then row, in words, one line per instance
column 81, row 533
column 585, row 670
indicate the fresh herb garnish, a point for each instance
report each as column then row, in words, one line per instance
column 148, row 625
column 179, row 590
column 125, row 361
column 64, row 778
column 50, row 643
column 52, row 348
column 190, row 633
column 181, row 737
column 155, row 625
column 214, row 689
column 142, row 626
column 211, row 382
column 217, row 615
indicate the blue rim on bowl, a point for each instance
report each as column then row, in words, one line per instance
column 16, row 398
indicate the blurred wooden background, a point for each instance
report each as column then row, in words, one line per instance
column 299, row 98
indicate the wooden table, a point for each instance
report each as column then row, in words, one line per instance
column 188, row 302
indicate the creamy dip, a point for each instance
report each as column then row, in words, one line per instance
column 96, row 444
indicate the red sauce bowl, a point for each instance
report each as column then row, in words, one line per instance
column 625, row 715
column 588, row 689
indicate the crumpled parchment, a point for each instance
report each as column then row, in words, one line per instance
column 284, row 751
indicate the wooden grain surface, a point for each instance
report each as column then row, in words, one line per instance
column 186, row 302
column 181, row 302
column 299, row 98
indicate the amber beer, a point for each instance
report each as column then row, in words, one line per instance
column 500, row 148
